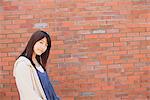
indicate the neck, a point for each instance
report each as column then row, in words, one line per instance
column 35, row 60
column 33, row 57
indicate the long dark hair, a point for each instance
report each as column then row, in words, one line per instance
column 28, row 51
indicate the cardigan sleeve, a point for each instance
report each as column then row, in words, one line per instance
column 24, row 82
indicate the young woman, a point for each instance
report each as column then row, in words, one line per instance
column 29, row 69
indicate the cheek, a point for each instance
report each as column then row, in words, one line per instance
column 35, row 47
column 45, row 48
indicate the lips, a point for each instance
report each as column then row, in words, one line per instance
column 40, row 50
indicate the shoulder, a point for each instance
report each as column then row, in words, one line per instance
column 22, row 63
column 23, row 59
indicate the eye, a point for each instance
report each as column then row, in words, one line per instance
column 46, row 45
column 41, row 42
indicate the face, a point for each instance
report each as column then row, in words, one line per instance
column 40, row 46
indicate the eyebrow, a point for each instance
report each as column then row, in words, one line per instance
column 45, row 41
column 42, row 40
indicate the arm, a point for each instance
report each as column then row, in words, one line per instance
column 24, row 82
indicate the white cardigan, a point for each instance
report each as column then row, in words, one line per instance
column 27, row 80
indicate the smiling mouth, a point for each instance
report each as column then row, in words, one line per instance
column 40, row 50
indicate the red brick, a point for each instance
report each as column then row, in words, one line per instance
column 57, row 43
column 8, row 68
column 113, row 57
column 133, row 34
column 19, row 40
column 12, row 27
column 107, row 62
column 26, row 25
column 67, row 24
column 13, row 35
column 140, row 29
column 139, row 11
column 107, row 87
column 4, row 81
column 1, row 18
column 120, row 52
column 119, row 35
column 111, row 4
column 58, row 52
column 126, row 39
column 115, row 39
column 10, row 8
column 91, row 36
column 4, row 63
column 3, row 54
column 138, row 38
column 57, row 60
column 14, row 45
column 120, row 44
column 113, row 31
column 8, row 59
column 26, row 16
column 5, row 50
column 11, row 94
column 2, row 36
column 139, row 56
column 6, row 97
column 11, row 17
column 67, row 98
column 106, row 44
column 19, row 21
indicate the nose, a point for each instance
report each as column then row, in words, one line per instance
column 43, row 47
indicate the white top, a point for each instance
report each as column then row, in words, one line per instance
column 40, row 69
column 27, row 80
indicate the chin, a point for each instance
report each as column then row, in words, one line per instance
column 38, row 54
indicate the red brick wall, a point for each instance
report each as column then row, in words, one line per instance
column 100, row 48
